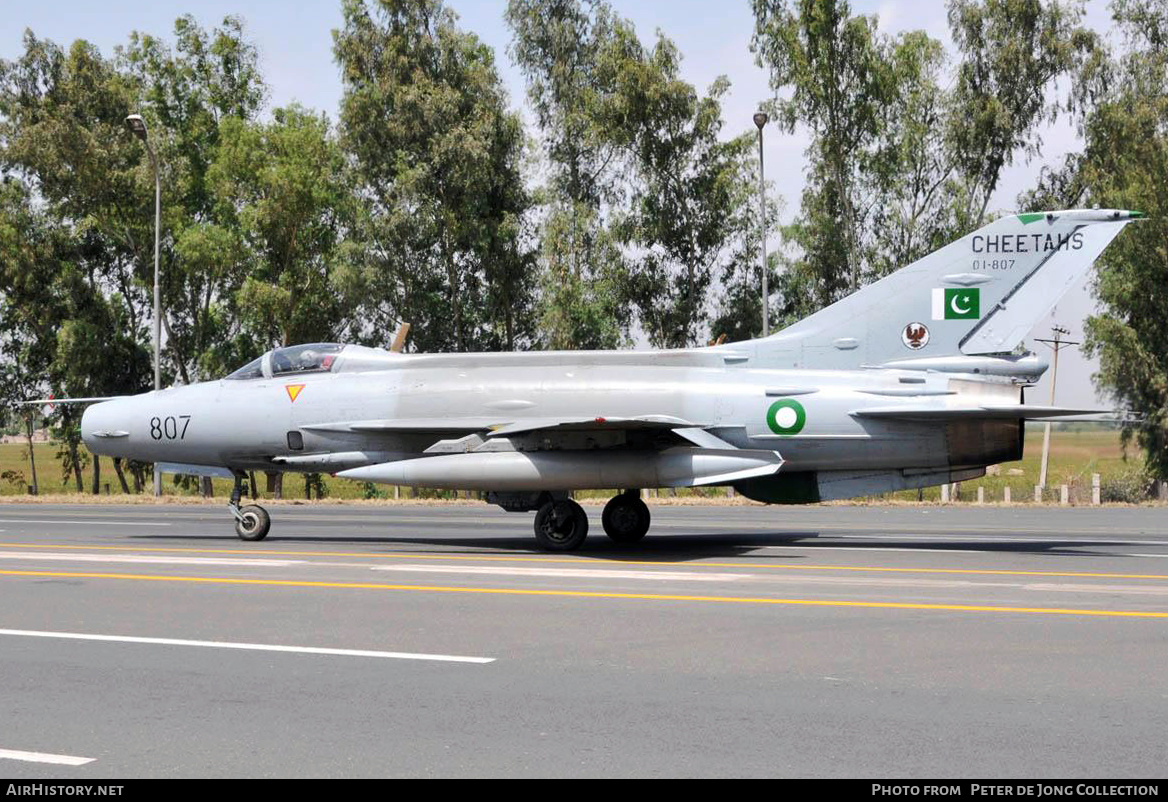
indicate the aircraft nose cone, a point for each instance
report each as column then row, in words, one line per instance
column 104, row 426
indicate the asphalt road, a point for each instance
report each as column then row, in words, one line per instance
column 435, row 641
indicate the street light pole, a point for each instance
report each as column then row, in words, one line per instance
column 138, row 127
column 1057, row 344
column 760, row 120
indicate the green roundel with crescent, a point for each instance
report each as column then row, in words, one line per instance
column 786, row 416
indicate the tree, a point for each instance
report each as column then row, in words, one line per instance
column 62, row 124
column 641, row 193
column 437, row 158
column 193, row 94
column 62, row 134
column 27, row 305
column 835, row 66
column 1124, row 164
column 61, row 332
column 690, row 193
column 900, row 163
column 283, row 208
column 558, row 45
column 580, row 310
column 1011, row 51
column 87, row 186
column 911, row 169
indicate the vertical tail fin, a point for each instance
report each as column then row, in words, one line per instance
column 979, row 295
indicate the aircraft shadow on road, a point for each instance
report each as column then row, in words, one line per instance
column 676, row 548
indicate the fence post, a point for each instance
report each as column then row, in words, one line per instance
column 1096, row 490
column 1064, row 495
column 980, row 494
column 1006, row 494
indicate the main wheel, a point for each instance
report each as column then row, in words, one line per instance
column 253, row 523
column 561, row 525
column 625, row 518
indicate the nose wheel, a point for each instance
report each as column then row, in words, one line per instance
column 252, row 521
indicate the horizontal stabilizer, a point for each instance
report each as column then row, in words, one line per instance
column 986, row 412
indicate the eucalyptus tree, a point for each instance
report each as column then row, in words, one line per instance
column 642, row 189
column 1010, row 54
column 436, row 155
column 284, row 210
column 1125, row 161
column 689, row 194
column 63, row 137
column 908, row 143
column 194, row 92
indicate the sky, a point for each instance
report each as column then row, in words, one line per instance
column 295, row 44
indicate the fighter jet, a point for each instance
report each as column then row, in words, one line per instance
column 912, row 381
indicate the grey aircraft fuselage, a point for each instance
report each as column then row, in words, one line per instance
column 245, row 424
column 912, row 381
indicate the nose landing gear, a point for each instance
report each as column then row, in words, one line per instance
column 252, row 521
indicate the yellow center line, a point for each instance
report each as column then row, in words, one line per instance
column 585, row 594
column 268, row 553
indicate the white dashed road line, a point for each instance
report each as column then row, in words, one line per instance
column 78, row 521
column 144, row 558
column 44, row 757
column 563, row 573
column 254, row 647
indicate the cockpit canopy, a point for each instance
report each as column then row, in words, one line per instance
column 309, row 358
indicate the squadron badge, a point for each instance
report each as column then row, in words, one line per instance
column 915, row 336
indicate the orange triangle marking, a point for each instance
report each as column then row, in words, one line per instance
column 293, row 390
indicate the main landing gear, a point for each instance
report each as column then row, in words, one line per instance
column 562, row 525
column 626, row 517
column 252, row 521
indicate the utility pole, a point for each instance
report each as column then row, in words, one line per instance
column 1057, row 344
column 33, row 489
column 760, row 120
column 137, row 127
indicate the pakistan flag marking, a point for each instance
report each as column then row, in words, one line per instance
column 786, row 416
column 956, row 303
